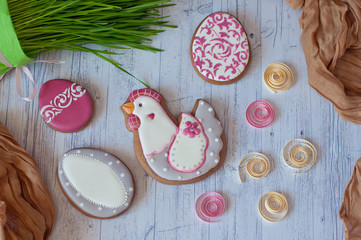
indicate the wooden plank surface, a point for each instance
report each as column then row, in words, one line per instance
column 167, row 212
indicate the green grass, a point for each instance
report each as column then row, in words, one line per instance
column 47, row 25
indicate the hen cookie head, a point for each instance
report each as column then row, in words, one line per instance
column 143, row 105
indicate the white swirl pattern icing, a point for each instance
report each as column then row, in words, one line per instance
column 62, row 101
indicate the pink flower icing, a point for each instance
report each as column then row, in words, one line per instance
column 191, row 129
column 65, row 105
column 220, row 48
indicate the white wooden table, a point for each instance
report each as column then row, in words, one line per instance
column 167, row 212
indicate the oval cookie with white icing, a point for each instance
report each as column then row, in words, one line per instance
column 95, row 182
column 174, row 151
column 220, row 50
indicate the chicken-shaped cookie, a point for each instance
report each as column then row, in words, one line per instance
column 172, row 152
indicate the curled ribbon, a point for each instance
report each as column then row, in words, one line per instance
column 210, row 206
column 19, row 70
column 257, row 165
column 278, row 77
column 273, row 206
column 300, row 155
column 260, row 114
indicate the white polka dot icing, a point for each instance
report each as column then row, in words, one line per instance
column 157, row 163
column 165, row 143
column 113, row 183
column 187, row 152
column 220, row 48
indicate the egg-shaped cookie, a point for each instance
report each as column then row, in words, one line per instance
column 95, row 182
column 65, row 106
column 220, row 51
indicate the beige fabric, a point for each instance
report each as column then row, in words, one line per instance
column 331, row 41
column 26, row 208
column 350, row 211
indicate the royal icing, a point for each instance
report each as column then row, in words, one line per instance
column 220, row 49
column 188, row 150
column 96, row 182
column 64, row 105
column 156, row 130
column 159, row 161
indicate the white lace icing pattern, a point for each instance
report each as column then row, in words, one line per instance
column 62, row 101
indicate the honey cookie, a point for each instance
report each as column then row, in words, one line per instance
column 95, row 182
column 220, row 50
column 65, row 106
column 171, row 151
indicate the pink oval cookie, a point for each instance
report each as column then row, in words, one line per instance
column 220, row 50
column 64, row 105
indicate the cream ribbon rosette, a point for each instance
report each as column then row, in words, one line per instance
column 273, row 206
column 300, row 155
column 278, row 77
column 257, row 166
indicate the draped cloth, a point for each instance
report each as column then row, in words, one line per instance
column 26, row 208
column 331, row 42
column 350, row 211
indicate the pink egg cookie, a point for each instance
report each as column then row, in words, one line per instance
column 64, row 105
column 220, row 51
